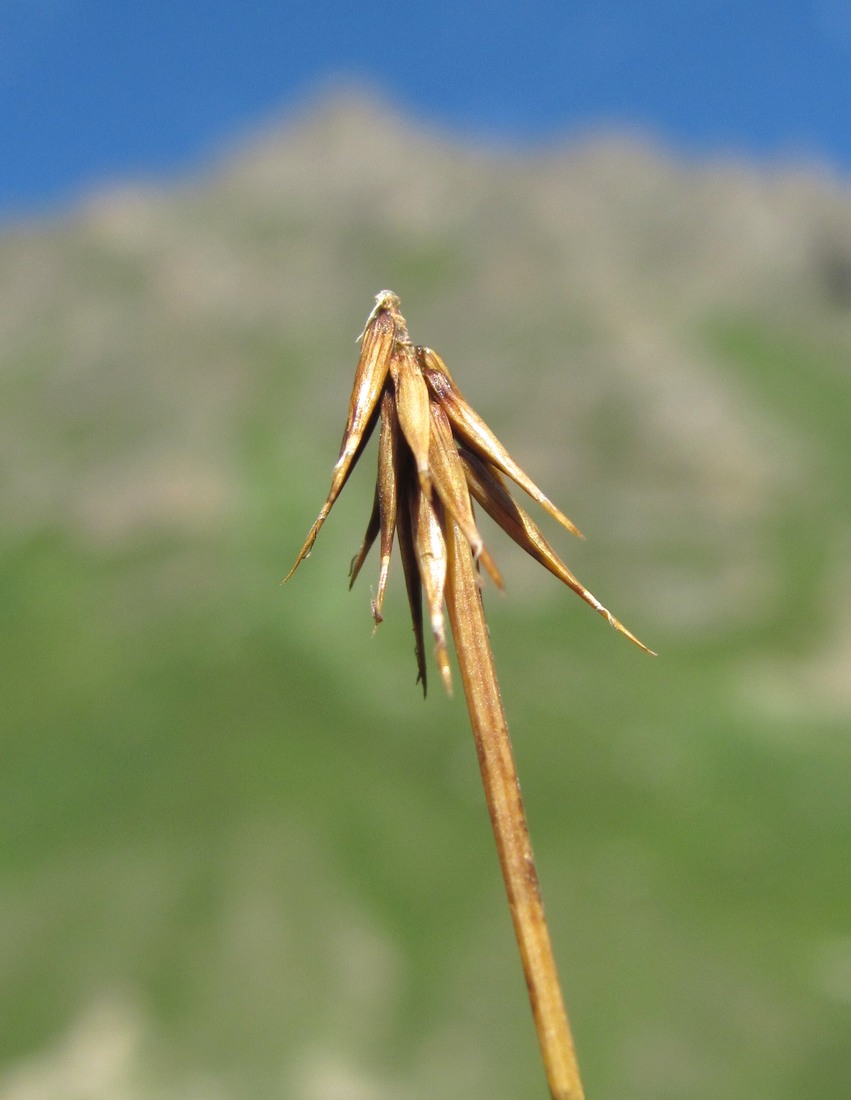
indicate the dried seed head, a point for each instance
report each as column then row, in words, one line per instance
column 435, row 454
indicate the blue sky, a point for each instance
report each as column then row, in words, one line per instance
column 98, row 90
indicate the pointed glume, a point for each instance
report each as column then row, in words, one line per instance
column 434, row 455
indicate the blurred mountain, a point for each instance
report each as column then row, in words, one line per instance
column 665, row 346
column 596, row 297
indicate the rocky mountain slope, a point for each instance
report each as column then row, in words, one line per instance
column 666, row 347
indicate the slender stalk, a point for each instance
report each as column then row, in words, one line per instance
column 434, row 452
column 508, row 820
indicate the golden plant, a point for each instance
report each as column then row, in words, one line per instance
column 435, row 456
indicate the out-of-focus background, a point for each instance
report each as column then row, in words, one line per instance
column 239, row 856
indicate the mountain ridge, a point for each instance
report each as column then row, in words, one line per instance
column 240, row 854
column 596, row 267
column 575, row 286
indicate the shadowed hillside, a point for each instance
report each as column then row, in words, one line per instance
column 240, row 857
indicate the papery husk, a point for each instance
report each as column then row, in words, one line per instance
column 474, row 432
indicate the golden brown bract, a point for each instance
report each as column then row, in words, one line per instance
column 435, row 456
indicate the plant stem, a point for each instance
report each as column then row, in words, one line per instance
column 502, row 791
